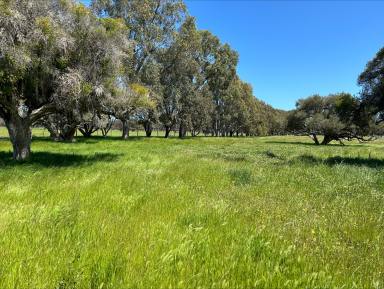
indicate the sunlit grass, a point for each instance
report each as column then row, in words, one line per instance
column 273, row 212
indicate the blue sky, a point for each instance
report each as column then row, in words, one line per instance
column 292, row 49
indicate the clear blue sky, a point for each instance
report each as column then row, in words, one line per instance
column 292, row 49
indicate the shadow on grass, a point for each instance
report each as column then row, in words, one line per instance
column 97, row 139
column 302, row 143
column 353, row 161
column 46, row 159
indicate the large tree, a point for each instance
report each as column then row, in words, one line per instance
column 55, row 56
column 151, row 26
column 180, row 69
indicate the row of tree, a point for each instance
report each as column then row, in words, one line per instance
column 67, row 67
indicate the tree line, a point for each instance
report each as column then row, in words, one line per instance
column 69, row 67
column 65, row 66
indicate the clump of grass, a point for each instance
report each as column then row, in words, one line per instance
column 241, row 177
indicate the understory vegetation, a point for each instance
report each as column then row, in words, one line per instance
column 268, row 212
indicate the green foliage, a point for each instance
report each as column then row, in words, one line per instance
column 114, row 25
column 372, row 83
column 200, row 212
column 336, row 117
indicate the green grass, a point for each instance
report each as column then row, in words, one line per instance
column 268, row 212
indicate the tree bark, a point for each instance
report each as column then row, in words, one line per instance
column 20, row 134
column 315, row 139
column 327, row 139
column 105, row 131
column 148, row 128
column 125, row 134
column 53, row 132
column 68, row 133
column 167, row 131
column 87, row 130
column 182, row 131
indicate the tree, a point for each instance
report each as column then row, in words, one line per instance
column 147, row 113
column 106, row 123
column 219, row 77
column 372, row 82
column 92, row 125
column 335, row 117
column 178, row 78
column 125, row 101
column 31, row 43
column 151, row 25
column 55, row 56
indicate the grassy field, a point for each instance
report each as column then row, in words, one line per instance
column 268, row 212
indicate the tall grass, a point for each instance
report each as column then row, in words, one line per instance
column 274, row 212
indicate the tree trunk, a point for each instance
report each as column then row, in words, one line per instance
column 53, row 132
column 148, row 128
column 167, row 131
column 87, row 130
column 20, row 134
column 104, row 132
column 314, row 138
column 182, row 130
column 125, row 134
column 327, row 139
column 68, row 133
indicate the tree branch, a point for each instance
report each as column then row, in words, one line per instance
column 44, row 110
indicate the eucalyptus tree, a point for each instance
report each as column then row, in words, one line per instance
column 55, row 56
column 151, row 26
column 180, row 70
column 372, row 82
column 220, row 75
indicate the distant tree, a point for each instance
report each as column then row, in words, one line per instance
column 106, row 122
column 335, row 117
column 147, row 114
column 125, row 101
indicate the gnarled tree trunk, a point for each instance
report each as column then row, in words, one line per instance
column 87, row 129
column 53, row 131
column 20, row 134
column 68, row 133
